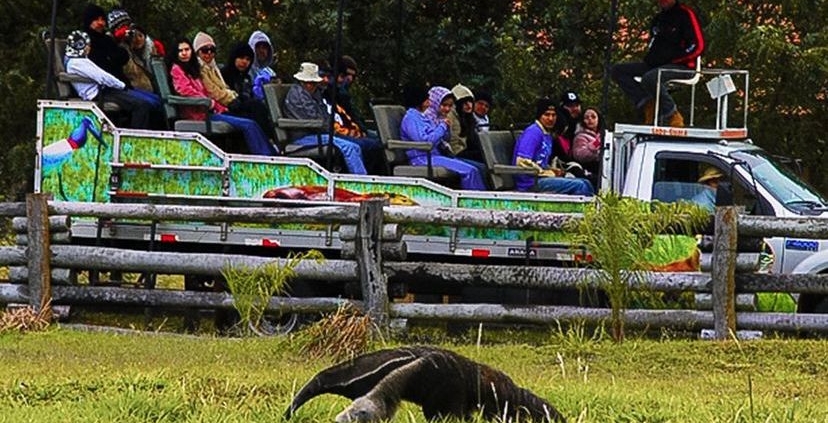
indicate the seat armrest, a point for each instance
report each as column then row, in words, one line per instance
column 286, row 123
column 501, row 169
column 409, row 145
column 69, row 77
column 189, row 101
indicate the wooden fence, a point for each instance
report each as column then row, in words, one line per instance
column 377, row 237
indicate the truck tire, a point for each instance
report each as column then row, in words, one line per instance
column 812, row 303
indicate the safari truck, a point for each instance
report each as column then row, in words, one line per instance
column 83, row 157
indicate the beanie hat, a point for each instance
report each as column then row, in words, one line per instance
column 324, row 67
column 76, row 42
column 462, row 92
column 569, row 98
column 241, row 49
column 414, row 96
column 117, row 18
column 543, row 105
column 202, row 40
column 346, row 62
column 92, row 12
column 483, row 95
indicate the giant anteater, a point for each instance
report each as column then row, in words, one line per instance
column 443, row 383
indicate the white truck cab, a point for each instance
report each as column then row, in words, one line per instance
column 664, row 164
column 651, row 162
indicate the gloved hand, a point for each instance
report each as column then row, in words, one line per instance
column 159, row 48
column 120, row 33
column 258, row 85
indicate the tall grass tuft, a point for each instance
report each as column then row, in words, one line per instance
column 24, row 319
column 253, row 287
column 341, row 335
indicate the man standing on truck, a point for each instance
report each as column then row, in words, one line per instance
column 676, row 41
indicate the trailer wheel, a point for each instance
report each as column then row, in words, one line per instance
column 812, row 303
column 273, row 325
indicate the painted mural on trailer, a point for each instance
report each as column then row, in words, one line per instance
column 79, row 163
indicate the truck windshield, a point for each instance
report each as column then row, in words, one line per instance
column 782, row 183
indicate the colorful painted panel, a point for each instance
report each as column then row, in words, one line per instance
column 165, row 151
column 398, row 193
column 75, row 156
column 254, row 179
column 171, row 182
column 517, row 205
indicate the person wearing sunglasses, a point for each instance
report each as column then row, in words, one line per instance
column 219, row 91
column 185, row 72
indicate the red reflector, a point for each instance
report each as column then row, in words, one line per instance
column 168, row 238
column 477, row 252
column 587, row 258
column 130, row 194
column 268, row 243
column 137, row 165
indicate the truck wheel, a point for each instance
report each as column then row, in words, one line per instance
column 812, row 303
column 272, row 325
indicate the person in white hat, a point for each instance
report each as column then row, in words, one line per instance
column 304, row 101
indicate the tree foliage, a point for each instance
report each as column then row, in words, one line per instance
column 516, row 50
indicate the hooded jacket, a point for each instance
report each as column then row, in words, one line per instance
column 261, row 66
column 240, row 82
column 436, row 95
column 211, row 75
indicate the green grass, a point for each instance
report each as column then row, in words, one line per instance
column 69, row 376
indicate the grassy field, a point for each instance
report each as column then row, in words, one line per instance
column 71, row 376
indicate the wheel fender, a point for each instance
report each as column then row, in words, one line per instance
column 817, row 263
column 813, row 303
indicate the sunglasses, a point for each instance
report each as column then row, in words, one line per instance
column 207, row 50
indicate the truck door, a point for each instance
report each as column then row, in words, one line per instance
column 676, row 177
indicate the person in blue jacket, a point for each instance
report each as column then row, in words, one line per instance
column 420, row 124
column 534, row 149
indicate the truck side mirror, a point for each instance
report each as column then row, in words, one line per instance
column 724, row 194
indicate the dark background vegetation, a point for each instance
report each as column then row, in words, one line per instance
column 516, row 50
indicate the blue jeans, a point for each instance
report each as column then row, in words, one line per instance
column 351, row 151
column 257, row 142
column 470, row 178
column 572, row 186
column 149, row 97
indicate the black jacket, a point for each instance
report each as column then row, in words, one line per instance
column 675, row 37
column 108, row 55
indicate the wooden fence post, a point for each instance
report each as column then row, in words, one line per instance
column 723, row 272
column 369, row 262
column 39, row 254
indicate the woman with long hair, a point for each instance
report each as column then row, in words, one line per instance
column 185, row 73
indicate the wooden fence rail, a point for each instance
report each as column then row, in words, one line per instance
column 376, row 224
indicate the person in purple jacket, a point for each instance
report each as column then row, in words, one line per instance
column 433, row 127
column 534, row 149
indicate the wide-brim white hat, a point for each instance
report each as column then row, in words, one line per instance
column 308, row 72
